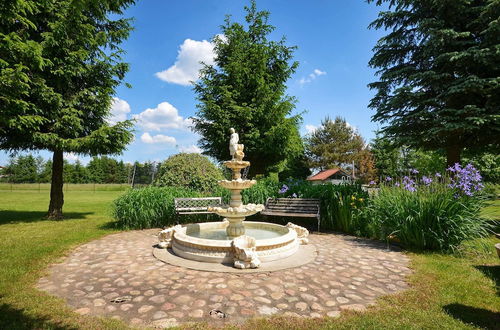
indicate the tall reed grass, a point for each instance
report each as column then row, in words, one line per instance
column 433, row 217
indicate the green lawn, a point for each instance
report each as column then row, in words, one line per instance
column 447, row 292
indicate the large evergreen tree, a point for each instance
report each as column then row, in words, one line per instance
column 245, row 89
column 59, row 66
column 439, row 85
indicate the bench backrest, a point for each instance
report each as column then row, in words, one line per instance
column 196, row 205
column 293, row 205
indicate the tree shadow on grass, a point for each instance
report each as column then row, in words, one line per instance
column 479, row 317
column 492, row 272
column 10, row 216
column 11, row 318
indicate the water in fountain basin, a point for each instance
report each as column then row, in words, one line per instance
column 220, row 234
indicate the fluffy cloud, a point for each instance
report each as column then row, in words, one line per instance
column 192, row 149
column 311, row 128
column 187, row 66
column 119, row 110
column 157, row 139
column 164, row 116
column 316, row 73
column 70, row 156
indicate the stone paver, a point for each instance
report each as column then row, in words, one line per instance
column 117, row 276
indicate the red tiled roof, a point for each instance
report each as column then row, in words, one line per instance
column 324, row 174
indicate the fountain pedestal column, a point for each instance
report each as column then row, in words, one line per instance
column 235, row 227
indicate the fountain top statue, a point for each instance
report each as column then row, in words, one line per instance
column 235, row 149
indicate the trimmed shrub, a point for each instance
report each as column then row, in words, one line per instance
column 190, row 171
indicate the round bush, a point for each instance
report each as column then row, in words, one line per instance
column 191, row 171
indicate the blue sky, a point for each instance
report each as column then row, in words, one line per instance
column 170, row 37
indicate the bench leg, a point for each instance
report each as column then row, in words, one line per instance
column 318, row 224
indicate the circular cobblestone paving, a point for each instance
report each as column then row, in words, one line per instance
column 117, row 276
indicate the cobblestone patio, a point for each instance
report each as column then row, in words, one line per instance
column 117, row 276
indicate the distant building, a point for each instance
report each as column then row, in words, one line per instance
column 333, row 176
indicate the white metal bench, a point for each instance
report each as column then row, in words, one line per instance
column 195, row 205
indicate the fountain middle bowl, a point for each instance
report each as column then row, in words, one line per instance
column 208, row 242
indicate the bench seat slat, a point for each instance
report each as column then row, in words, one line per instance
column 284, row 214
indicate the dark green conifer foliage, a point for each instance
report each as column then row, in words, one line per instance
column 439, row 70
column 59, row 66
column 246, row 89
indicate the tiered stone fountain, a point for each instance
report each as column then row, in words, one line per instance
column 234, row 240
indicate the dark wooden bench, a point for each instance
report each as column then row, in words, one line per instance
column 195, row 205
column 293, row 207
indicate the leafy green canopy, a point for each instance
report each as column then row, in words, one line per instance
column 59, row 66
column 191, row 171
column 245, row 89
column 439, row 72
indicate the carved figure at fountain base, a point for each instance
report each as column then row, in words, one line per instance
column 245, row 255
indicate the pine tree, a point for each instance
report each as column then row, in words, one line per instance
column 439, row 85
column 59, row 67
column 333, row 144
column 246, row 89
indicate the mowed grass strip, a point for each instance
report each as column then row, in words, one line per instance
column 447, row 291
column 29, row 244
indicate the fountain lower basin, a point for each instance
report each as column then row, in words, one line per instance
column 208, row 242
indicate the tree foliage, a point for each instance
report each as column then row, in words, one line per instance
column 245, row 89
column 189, row 170
column 333, row 144
column 439, row 85
column 59, row 67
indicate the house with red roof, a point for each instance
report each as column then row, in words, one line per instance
column 332, row 175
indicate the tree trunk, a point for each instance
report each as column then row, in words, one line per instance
column 56, row 187
column 453, row 155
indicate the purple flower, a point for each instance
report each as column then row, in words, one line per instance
column 414, row 171
column 372, row 183
column 283, row 189
column 294, row 195
column 409, row 184
column 397, row 184
column 388, row 179
column 465, row 180
column 426, row 180
column 437, row 175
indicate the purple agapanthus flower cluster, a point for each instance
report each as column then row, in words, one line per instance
column 465, row 179
column 409, row 184
column 388, row 179
column 426, row 180
column 283, row 189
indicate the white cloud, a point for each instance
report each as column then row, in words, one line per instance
column 192, row 149
column 164, row 116
column 71, row 157
column 316, row 73
column 157, row 139
column 187, row 66
column 119, row 110
column 311, row 128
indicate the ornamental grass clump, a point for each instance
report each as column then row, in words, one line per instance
column 339, row 203
column 432, row 213
column 150, row 207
